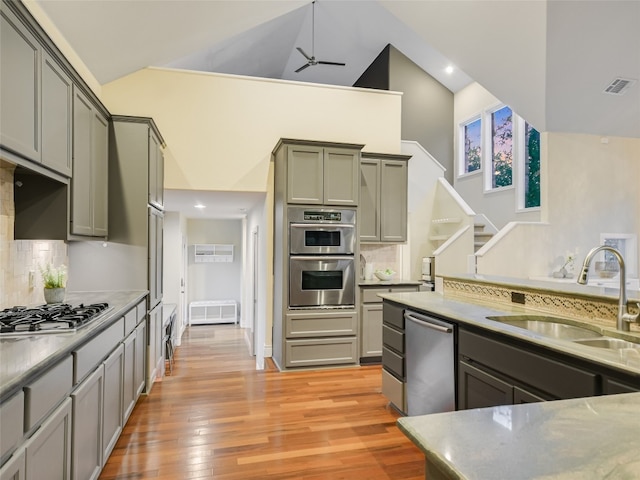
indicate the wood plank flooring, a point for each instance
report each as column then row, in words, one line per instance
column 217, row 417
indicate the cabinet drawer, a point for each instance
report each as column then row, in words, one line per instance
column 317, row 352
column 393, row 389
column 393, row 362
column 543, row 373
column 130, row 321
column 393, row 314
column 403, row 289
column 141, row 310
column 87, row 357
column 370, row 295
column 393, row 338
column 41, row 396
column 12, row 423
column 320, row 324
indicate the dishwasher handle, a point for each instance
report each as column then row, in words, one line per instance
column 427, row 322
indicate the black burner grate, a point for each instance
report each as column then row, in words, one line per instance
column 52, row 317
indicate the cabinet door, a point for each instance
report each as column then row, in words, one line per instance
column 112, row 416
column 371, row 338
column 57, row 114
column 87, row 426
column 521, row 395
column 81, row 183
column 393, row 201
column 140, row 358
column 341, row 176
column 155, row 355
column 99, row 174
column 155, row 256
column 478, row 389
column 129, row 390
column 305, row 174
column 48, row 451
column 19, row 88
column 369, row 220
column 14, row 468
column 156, row 171
column 613, row 386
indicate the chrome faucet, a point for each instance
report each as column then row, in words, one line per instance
column 624, row 317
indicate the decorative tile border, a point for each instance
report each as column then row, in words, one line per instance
column 598, row 311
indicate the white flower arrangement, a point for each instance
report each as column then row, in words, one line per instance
column 54, row 277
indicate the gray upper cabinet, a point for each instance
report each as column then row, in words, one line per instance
column 322, row 175
column 36, row 97
column 57, row 114
column 19, row 88
column 89, row 185
column 156, row 171
column 383, row 197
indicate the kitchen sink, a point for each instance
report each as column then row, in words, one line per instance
column 606, row 342
column 552, row 327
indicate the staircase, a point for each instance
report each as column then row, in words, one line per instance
column 480, row 236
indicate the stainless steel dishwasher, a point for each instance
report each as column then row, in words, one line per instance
column 430, row 360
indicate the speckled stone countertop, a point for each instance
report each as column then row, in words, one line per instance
column 587, row 439
column 394, row 282
column 25, row 356
column 475, row 312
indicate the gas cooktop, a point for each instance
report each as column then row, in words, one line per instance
column 51, row 318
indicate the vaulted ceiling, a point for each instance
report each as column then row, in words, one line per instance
column 550, row 60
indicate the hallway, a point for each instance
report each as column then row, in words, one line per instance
column 217, row 417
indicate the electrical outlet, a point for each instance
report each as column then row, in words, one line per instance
column 32, row 278
column 517, row 297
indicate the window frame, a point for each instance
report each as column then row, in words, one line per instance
column 521, row 170
column 462, row 173
column 488, row 150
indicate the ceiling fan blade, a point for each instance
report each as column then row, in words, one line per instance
column 303, row 53
column 331, row 63
column 303, row 67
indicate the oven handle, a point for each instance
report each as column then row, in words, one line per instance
column 321, row 257
column 322, row 225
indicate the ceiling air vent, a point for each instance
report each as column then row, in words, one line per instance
column 619, row 85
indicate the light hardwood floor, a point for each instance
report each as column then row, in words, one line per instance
column 217, row 417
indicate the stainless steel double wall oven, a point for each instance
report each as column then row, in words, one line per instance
column 322, row 243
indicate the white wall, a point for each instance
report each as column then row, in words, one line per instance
column 221, row 129
column 217, row 280
column 499, row 206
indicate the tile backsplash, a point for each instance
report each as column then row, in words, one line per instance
column 382, row 256
column 19, row 257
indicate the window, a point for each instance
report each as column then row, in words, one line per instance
column 472, row 135
column 531, row 167
column 502, row 148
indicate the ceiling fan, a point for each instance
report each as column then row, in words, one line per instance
column 311, row 60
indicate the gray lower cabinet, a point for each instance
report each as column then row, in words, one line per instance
column 139, row 370
column 129, row 395
column 393, row 351
column 155, row 351
column 113, row 391
column 88, row 400
column 371, row 318
column 318, row 338
column 89, row 185
column 493, row 372
column 48, row 451
column 383, row 197
column 14, row 469
column 612, row 386
column 12, row 422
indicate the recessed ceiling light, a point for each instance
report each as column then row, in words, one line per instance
column 200, row 206
column 449, row 69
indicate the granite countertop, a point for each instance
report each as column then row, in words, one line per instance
column 474, row 312
column 25, row 356
column 379, row 283
column 586, row 438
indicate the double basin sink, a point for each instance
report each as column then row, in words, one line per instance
column 561, row 329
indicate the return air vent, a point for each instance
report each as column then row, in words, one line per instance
column 619, row 85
